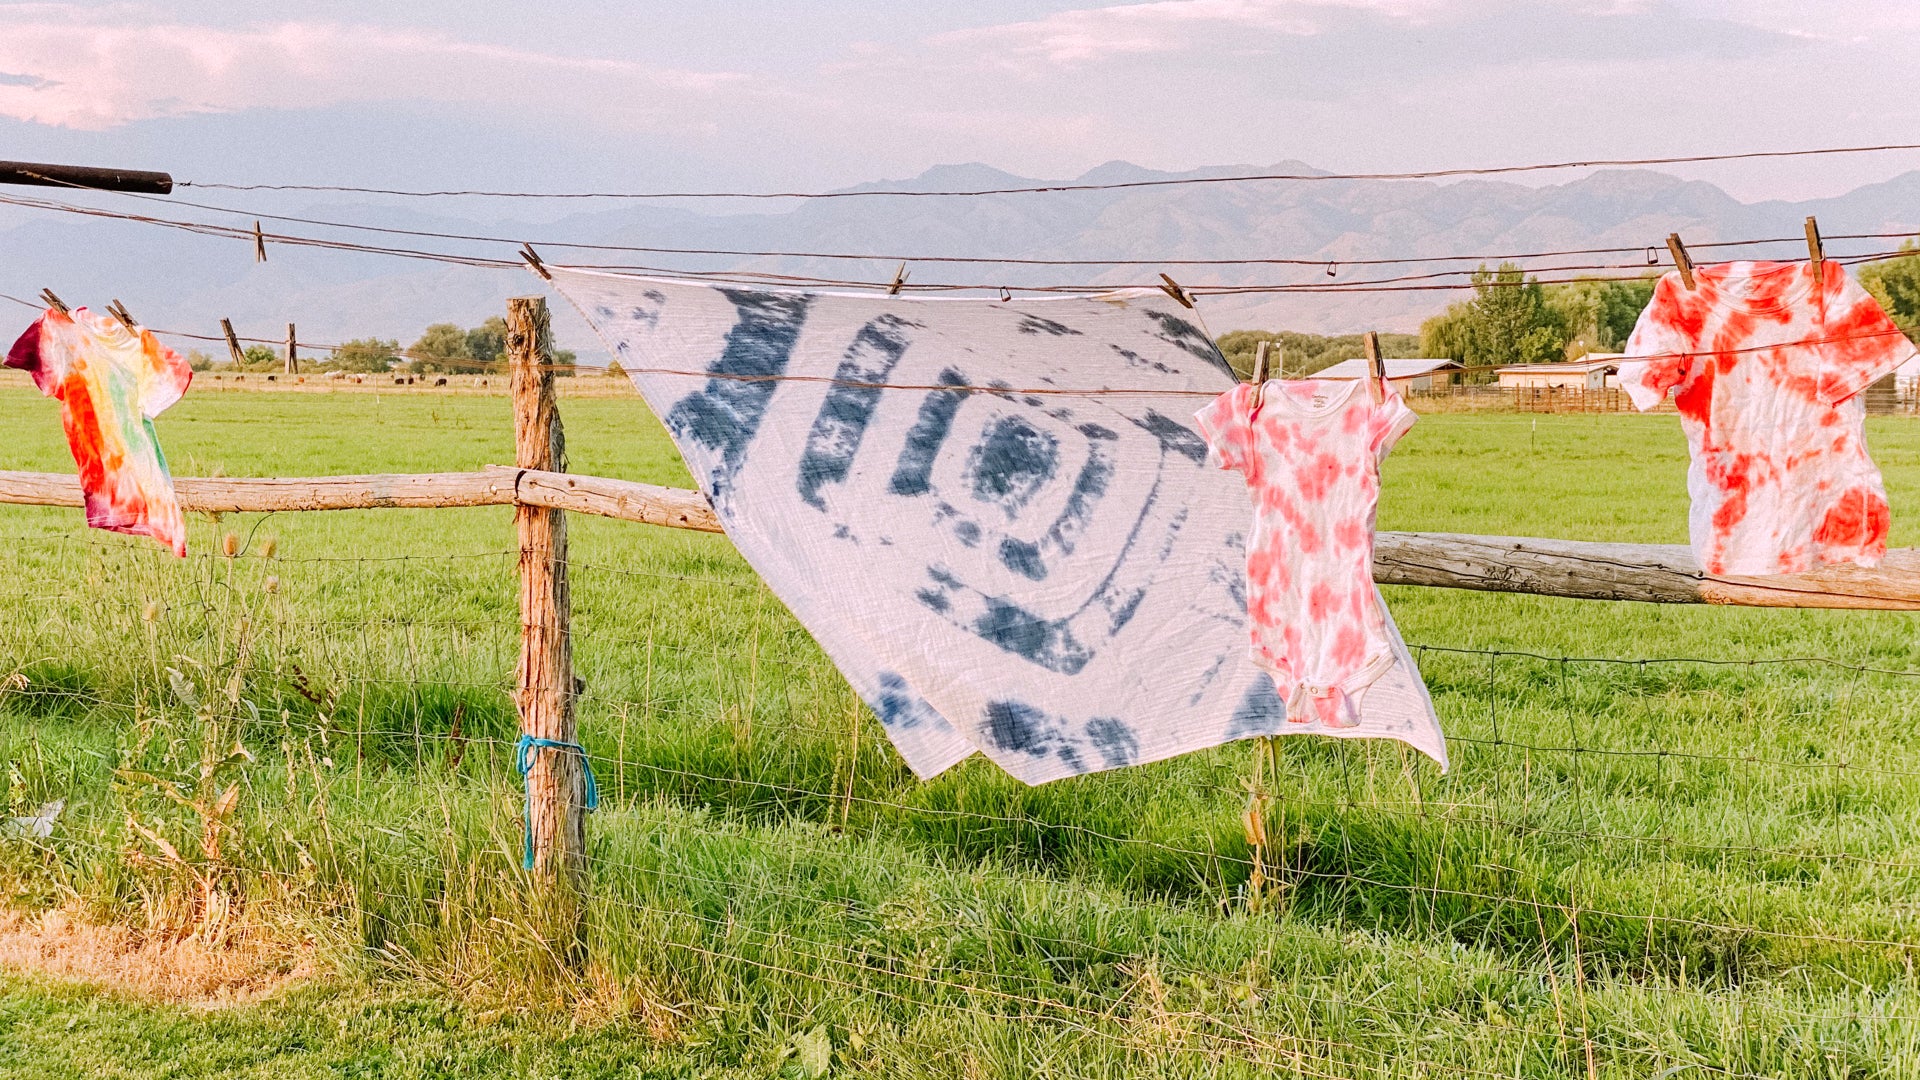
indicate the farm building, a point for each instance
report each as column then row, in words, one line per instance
column 1415, row 374
column 1593, row 373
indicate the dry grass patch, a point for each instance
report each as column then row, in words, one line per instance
column 168, row 968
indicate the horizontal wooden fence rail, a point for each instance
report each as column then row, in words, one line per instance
column 496, row 485
column 1652, row 573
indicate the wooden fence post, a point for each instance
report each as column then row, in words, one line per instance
column 293, row 352
column 233, row 344
column 556, row 791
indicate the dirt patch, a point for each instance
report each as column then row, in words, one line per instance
column 174, row 970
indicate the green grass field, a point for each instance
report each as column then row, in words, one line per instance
column 1665, row 868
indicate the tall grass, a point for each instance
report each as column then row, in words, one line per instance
column 1656, row 867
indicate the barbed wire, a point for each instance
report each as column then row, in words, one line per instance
column 1314, row 261
column 767, row 278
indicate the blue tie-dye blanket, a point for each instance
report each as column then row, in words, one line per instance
column 995, row 516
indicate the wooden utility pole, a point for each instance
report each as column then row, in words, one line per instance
column 293, row 352
column 556, row 790
column 40, row 174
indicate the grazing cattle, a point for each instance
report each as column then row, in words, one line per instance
column 398, row 381
column 440, row 382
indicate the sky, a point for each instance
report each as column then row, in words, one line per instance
column 766, row 94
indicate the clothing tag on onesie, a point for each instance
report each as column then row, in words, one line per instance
column 1310, row 451
column 1766, row 368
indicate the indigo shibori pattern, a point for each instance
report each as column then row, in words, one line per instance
column 995, row 558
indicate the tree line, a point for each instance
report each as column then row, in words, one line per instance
column 1514, row 318
column 443, row 349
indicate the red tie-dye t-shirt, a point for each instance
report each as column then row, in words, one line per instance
column 1311, row 452
column 1766, row 368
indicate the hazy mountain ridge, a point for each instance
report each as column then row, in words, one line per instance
column 181, row 281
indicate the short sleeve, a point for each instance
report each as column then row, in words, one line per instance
column 164, row 376
column 1227, row 424
column 1391, row 419
column 1858, row 344
column 38, row 353
column 1657, row 357
column 25, row 353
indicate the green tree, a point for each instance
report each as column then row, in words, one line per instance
column 1445, row 334
column 260, row 358
column 614, row 370
column 1508, row 321
column 199, row 361
column 442, row 347
column 1599, row 316
column 564, row 361
column 1895, row 283
column 487, row 343
column 366, row 355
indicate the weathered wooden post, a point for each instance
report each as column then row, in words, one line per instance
column 233, row 345
column 549, row 745
column 293, row 352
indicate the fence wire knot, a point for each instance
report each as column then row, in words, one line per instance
column 522, row 760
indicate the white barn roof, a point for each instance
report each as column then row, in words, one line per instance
column 1592, row 361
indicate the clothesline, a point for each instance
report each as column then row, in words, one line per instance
column 762, row 277
column 991, row 260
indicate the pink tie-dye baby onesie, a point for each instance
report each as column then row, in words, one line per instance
column 1766, row 370
column 1310, row 451
column 111, row 382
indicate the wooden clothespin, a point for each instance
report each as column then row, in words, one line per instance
column 233, row 343
column 259, row 244
column 1260, row 371
column 54, row 302
column 533, row 260
column 1815, row 253
column 899, row 279
column 119, row 311
column 1680, row 260
column 1172, row 288
column 1376, row 368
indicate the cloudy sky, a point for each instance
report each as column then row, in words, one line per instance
column 817, row 93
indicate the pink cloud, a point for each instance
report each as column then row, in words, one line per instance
column 85, row 68
column 1082, row 34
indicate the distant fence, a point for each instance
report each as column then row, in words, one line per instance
column 1883, row 398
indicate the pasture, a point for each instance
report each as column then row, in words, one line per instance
column 1676, row 841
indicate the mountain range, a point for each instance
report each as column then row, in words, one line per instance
column 182, row 281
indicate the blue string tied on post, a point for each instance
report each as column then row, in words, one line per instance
column 522, row 760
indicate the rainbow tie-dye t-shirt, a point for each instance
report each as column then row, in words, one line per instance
column 111, row 382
